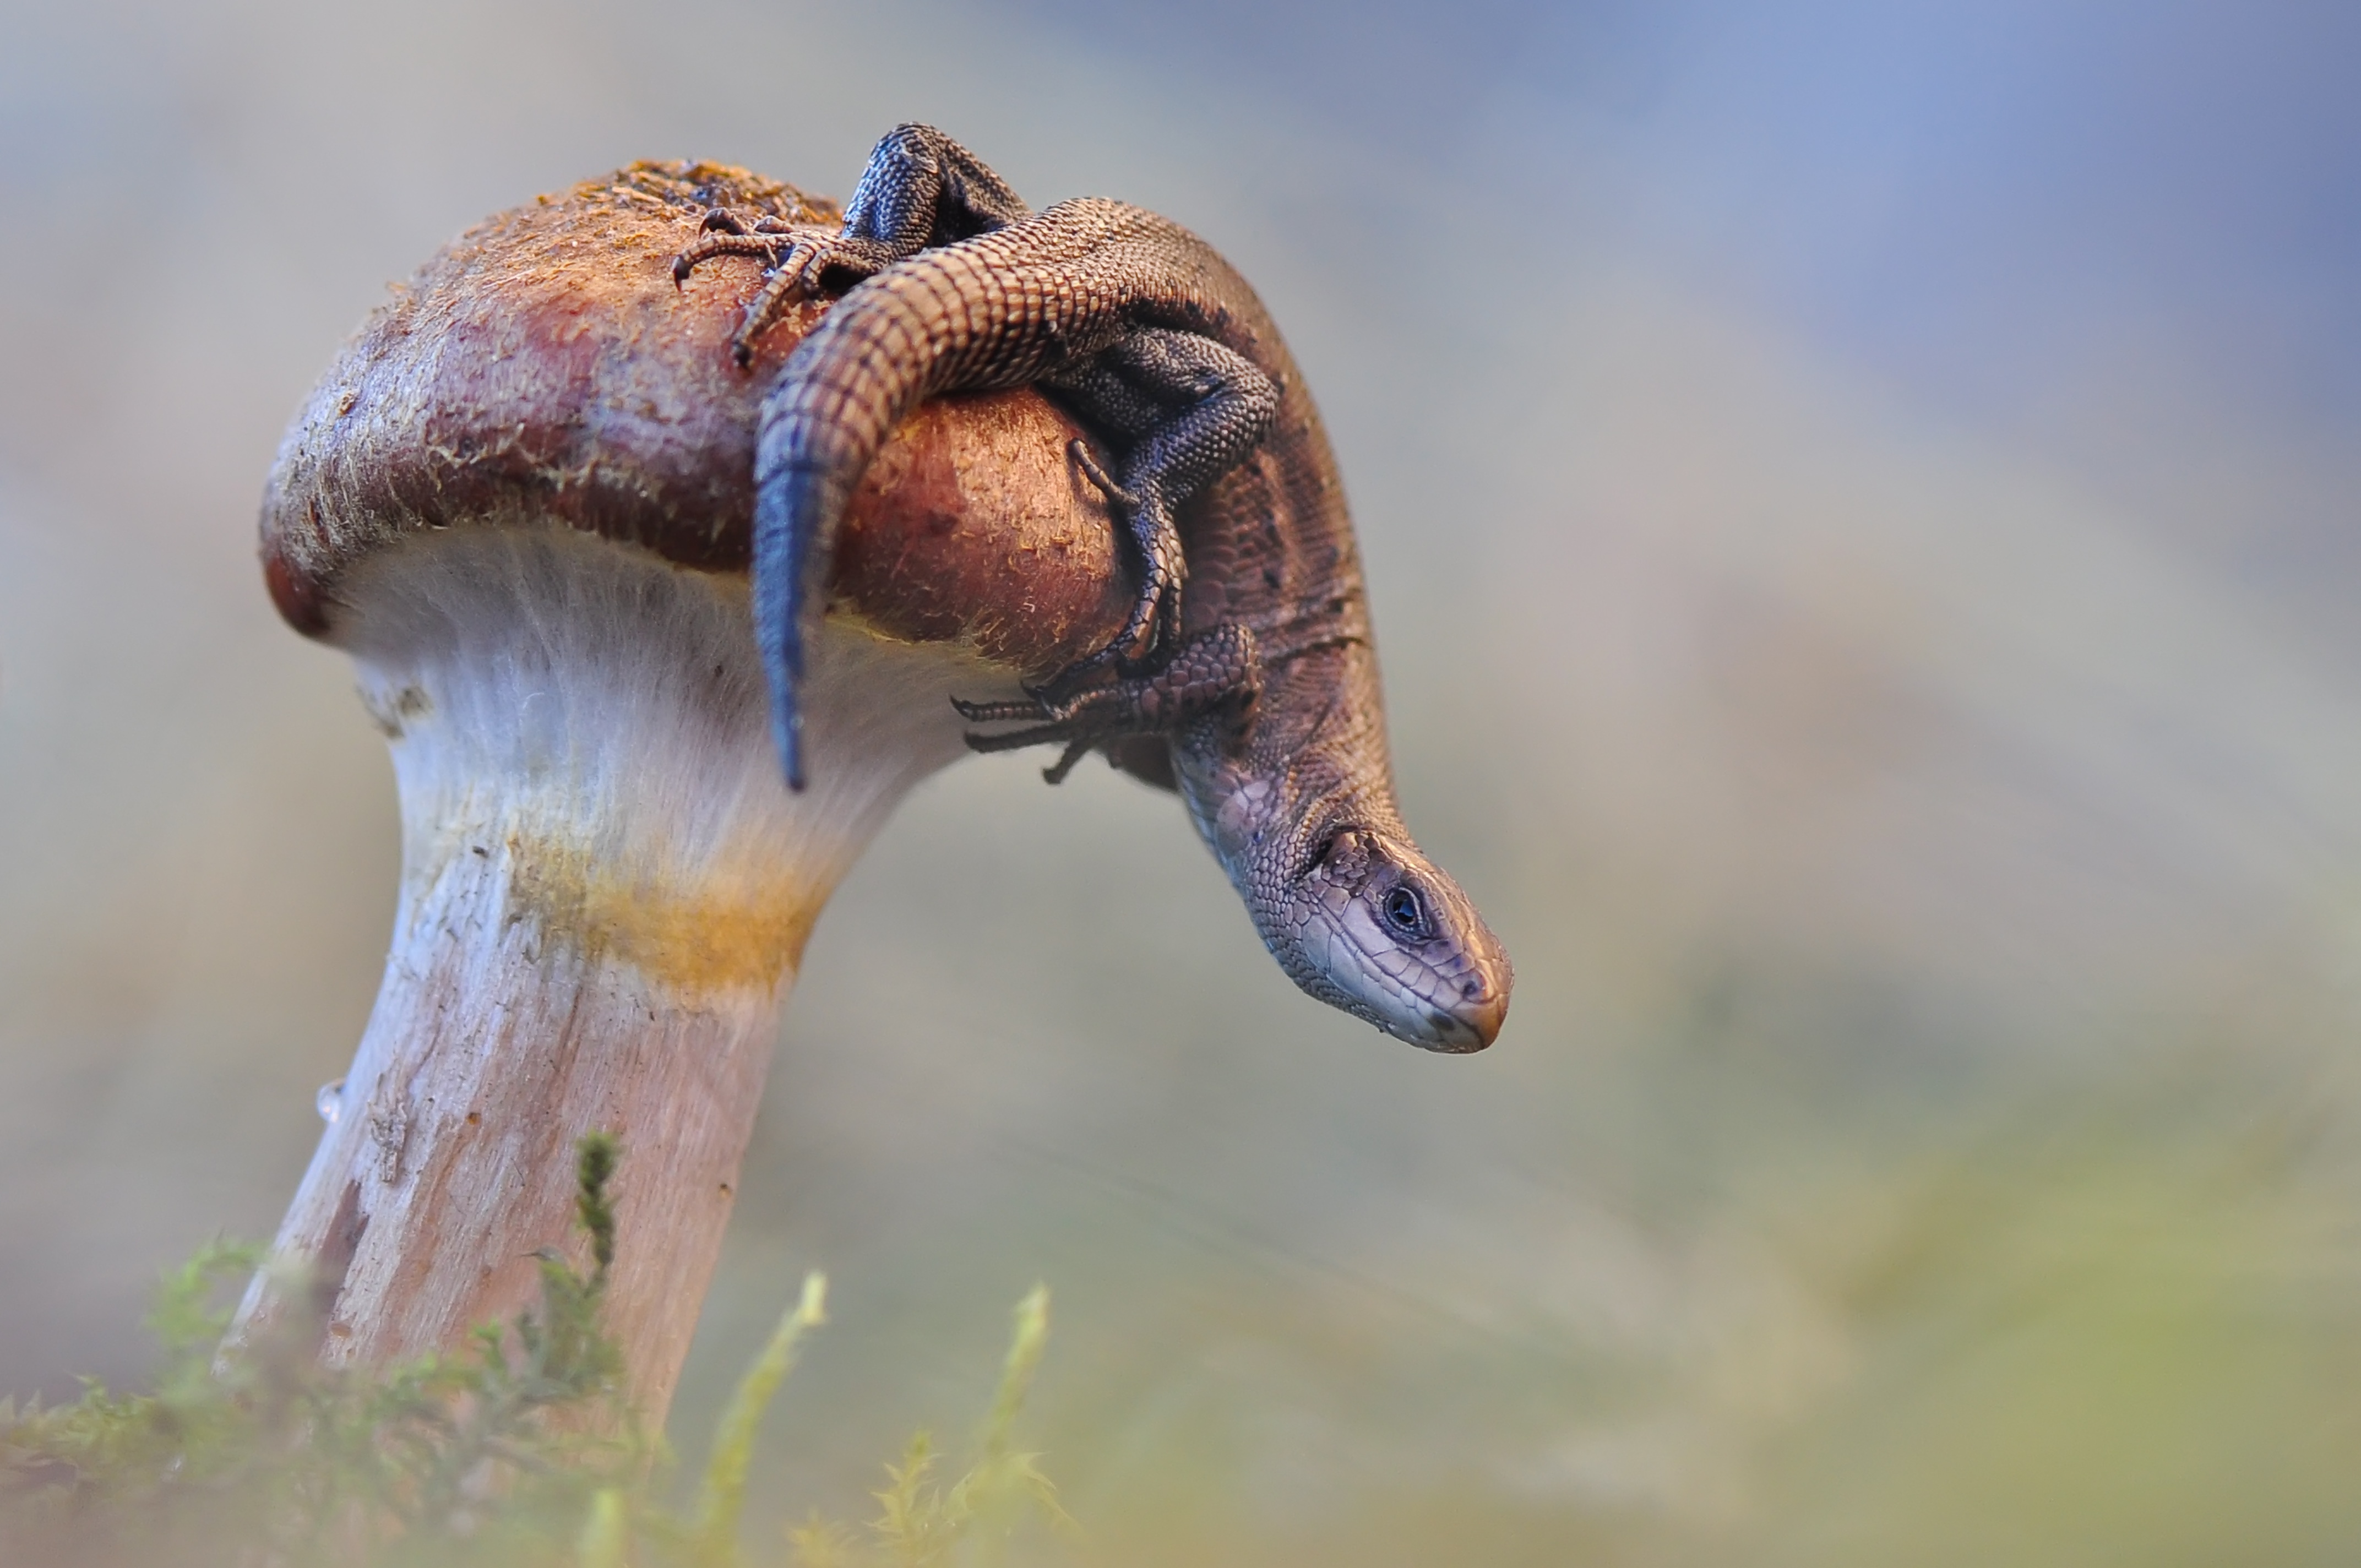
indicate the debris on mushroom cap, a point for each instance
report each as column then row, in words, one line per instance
column 546, row 369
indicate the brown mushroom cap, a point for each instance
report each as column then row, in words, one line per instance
column 546, row 369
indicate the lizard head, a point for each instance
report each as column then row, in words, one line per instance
column 1378, row 930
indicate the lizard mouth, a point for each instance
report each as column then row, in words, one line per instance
column 1454, row 1039
column 1457, row 1028
column 1460, row 1037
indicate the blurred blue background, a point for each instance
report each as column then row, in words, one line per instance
column 1861, row 507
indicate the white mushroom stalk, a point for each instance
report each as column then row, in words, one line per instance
column 604, row 892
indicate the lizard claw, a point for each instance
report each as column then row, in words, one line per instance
column 1003, row 712
column 729, row 222
column 1117, row 496
column 1075, row 751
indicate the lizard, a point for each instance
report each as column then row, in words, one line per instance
column 1255, row 695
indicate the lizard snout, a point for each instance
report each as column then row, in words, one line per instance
column 1474, row 1025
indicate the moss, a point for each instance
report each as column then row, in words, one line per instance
column 518, row 1451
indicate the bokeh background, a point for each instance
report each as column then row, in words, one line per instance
column 1861, row 506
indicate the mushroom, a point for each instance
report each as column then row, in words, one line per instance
column 520, row 500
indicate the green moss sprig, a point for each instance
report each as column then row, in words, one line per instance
column 520, row 1451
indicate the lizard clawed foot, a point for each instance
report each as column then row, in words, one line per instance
column 1215, row 677
column 725, row 233
column 794, row 257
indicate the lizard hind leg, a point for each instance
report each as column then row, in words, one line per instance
column 1193, row 409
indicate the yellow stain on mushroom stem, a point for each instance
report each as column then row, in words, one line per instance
column 699, row 937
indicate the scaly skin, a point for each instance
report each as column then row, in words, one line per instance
column 1265, row 692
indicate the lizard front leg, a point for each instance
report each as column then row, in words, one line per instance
column 1214, row 679
column 1190, row 411
column 919, row 189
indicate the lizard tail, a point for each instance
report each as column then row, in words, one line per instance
column 789, row 509
column 910, row 331
column 837, row 398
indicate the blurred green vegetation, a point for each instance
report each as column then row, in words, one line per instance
column 2123, row 1327
column 2110, row 1338
column 519, row 1452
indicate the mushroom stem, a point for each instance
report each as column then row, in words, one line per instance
column 606, row 890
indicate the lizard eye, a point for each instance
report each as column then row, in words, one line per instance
column 1404, row 913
